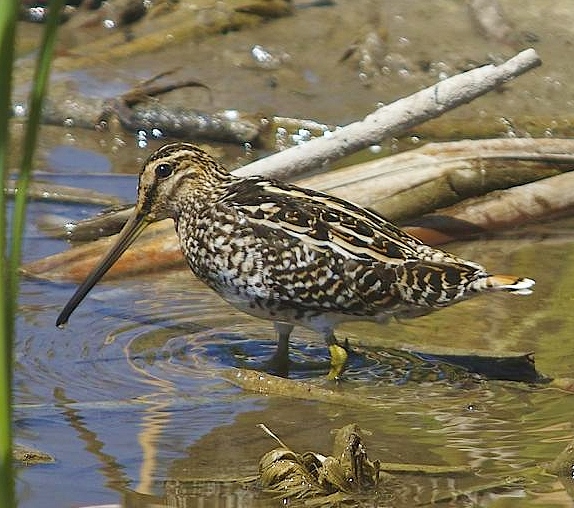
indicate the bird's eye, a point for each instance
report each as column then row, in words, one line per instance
column 163, row 170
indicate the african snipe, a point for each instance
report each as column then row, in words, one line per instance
column 292, row 255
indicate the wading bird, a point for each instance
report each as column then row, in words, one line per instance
column 292, row 255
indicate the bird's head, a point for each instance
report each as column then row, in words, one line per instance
column 177, row 178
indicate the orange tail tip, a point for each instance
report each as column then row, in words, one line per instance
column 516, row 285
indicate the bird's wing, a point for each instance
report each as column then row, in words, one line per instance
column 323, row 220
column 374, row 262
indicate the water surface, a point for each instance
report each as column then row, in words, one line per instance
column 130, row 397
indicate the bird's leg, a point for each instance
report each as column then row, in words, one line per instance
column 283, row 333
column 279, row 362
column 338, row 356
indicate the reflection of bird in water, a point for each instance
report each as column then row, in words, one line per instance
column 293, row 255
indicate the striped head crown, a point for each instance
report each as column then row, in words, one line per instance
column 175, row 175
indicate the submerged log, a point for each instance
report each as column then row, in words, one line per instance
column 498, row 210
column 157, row 248
column 440, row 174
column 42, row 191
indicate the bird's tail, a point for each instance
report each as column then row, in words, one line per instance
column 510, row 283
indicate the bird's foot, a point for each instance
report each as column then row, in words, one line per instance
column 339, row 357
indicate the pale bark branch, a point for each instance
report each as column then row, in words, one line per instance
column 392, row 120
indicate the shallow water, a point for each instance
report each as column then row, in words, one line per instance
column 130, row 397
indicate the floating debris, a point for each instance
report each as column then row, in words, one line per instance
column 344, row 477
column 26, row 456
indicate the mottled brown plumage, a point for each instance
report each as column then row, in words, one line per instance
column 293, row 255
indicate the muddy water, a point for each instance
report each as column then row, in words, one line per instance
column 130, row 400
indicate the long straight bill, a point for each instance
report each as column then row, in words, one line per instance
column 135, row 225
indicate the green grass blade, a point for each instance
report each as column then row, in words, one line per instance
column 8, row 16
column 10, row 260
column 37, row 94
